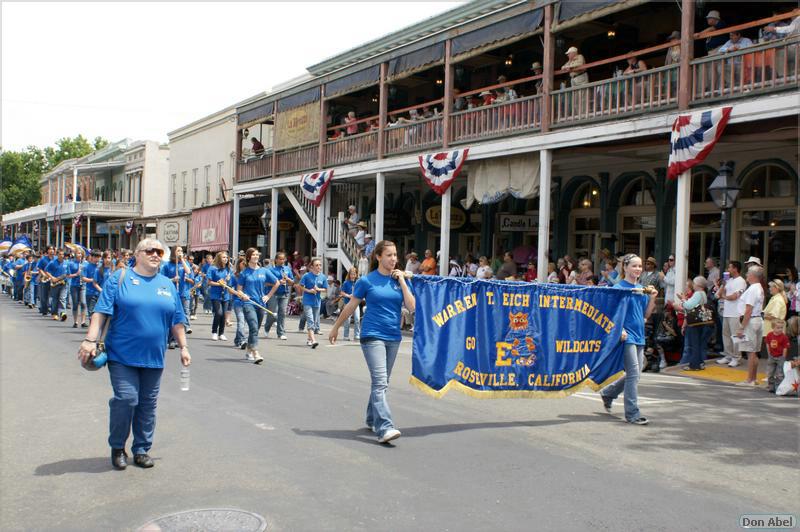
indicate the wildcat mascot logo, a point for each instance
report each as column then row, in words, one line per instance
column 518, row 346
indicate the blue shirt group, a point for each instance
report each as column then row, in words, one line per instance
column 142, row 310
column 252, row 282
column 634, row 313
column 57, row 268
column 100, row 276
column 347, row 287
column 384, row 299
column 313, row 280
column 217, row 293
column 41, row 265
column 89, row 271
column 168, row 270
column 278, row 272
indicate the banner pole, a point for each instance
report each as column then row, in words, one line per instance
column 682, row 214
column 444, row 255
column 545, row 164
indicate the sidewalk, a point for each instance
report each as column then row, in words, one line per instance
column 722, row 372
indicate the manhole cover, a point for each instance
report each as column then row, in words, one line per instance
column 209, row 519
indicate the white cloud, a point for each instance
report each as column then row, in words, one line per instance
column 140, row 70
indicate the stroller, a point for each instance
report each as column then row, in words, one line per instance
column 667, row 339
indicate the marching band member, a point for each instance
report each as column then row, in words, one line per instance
column 142, row 306
column 251, row 282
column 57, row 271
column 241, row 324
column 77, row 288
column 44, row 280
column 29, row 288
column 283, row 272
column 219, row 273
column 311, row 285
column 385, row 290
column 19, row 276
column 177, row 270
column 88, row 276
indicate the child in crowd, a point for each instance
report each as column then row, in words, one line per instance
column 778, row 349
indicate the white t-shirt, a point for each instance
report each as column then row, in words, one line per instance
column 734, row 309
column 484, row 272
column 754, row 296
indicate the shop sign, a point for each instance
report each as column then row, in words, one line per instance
column 297, row 126
column 285, row 226
column 509, row 223
column 101, row 228
column 172, row 232
column 457, row 217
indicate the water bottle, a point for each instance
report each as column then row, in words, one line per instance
column 184, row 378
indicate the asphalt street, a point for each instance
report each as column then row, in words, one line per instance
column 286, row 440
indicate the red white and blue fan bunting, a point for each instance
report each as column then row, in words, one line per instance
column 441, row 169
column 314, row 185
column 693, row 138
column 78, row 220
column 128, row 227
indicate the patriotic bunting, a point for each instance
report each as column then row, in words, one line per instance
column 314, row 185
column 440, row 169
column 693, row 138
column 128, row 227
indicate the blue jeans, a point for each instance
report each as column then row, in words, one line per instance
column 58, row 299
column 240, row 325
column 133, row 405
column 218, row 323
column 277, row 304
column 91, row 301
column 633, row 358
column 44, row 298
column 78, row 299
column 253, row 316
column 380, row 356
column 28, row 294
column 696, row 341
column 206, row 301
column 186, row 310
column 311, row 315
column 356, row 324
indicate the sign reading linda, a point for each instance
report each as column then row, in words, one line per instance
column 514, row 339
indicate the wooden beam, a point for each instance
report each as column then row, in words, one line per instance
column 687, row 53
column 549, row 60
column 448, row 94
column 383, row 107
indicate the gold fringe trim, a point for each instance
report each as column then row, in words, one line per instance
column 510, row 394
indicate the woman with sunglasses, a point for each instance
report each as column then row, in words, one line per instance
column 252, row 282
column 143, row 307
column 640, row 306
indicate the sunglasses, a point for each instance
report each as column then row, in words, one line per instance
column 672, row 258
column 151, row 251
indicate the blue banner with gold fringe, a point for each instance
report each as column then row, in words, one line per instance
column 489, row 338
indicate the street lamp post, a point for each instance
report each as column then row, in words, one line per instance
column 724, row 190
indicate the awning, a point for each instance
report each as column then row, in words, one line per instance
column 503, row 32
column 407, row 64
column 210, row 229
column 356, row 80
column 255, row 115
column 572, row 8
column 296, row 100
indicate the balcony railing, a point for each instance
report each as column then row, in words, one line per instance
column 507, row 118
column 753, row 70
column 255, row 167
column 296, row 159
column 647, row 91
column 351, row 149
column 115, row 208
column 414, row 135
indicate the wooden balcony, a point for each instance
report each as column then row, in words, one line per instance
column 296, row 159
column 754, row 70
column 351, row 149
column 255, row 167
column 508, row 118
column 414, row 136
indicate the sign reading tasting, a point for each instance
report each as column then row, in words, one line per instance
column 491, row 338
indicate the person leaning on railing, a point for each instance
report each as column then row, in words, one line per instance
column 578, row 76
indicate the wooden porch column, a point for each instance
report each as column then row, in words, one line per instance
column 380, row 199
column 274, row 152
column 548, row 68
column 687, row 54
column 383, row 107
column 545, row 171
column 238, row 157
column 323, row 128
column 448, row 95
column 235, row 226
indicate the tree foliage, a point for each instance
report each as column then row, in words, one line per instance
column 20, row 171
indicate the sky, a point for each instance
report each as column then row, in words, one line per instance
column 143, row 69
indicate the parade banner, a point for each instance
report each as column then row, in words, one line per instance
column 501, row 339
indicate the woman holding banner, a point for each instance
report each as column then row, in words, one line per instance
column 385, row 290
column 639, row 309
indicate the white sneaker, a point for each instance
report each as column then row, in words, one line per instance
column 389, row 435
column 192, row 317
column 733, row 363
column 724, row 360
column 249, row 356
column 662, row 364
column 283, row 337
column 308, row 343
column 746, row 383
column 214, row 336
column 222, row 337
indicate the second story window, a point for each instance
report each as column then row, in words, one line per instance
column 183, row 184
column 174, row 190
column 208, row 184
column 194, row 185
column 220, row 167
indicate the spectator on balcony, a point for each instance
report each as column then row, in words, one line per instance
column 352, row 220
column 788, row 30
column 258, row 148
column 459, row 102
column 674, row 52
column 536, row 67
column 768, row 33
column 337, row 134
column 487, row 98
column 374, row 125
column 505, row 94
column 427, row 112
column 577, row 75
column 735, row 43
column 635, row 65
column 715, row 22
column 350, row 121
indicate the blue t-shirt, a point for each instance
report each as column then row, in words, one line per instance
column 204, row 270
column 251, row 282
column 384, row 299
column 278, row 272
column 143, row 310
column 26, row 268
column 100, row 277
column 311, row 280
column 57, row 268
column 217, row 293
column 41, row 264
column 76, row 267
column 347, row 287
column 89, row 271
column 237, row 301
column 634, row 313
column 168, row 270
column 19, row 274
